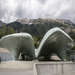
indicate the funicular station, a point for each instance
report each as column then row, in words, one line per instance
column 22, row 54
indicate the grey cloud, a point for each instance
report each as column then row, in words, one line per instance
column 10, row 10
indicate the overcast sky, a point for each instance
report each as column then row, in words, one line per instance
column 11, row 10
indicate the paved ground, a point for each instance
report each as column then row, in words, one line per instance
column 16, row 68
column 15, row 72
column 43, row 68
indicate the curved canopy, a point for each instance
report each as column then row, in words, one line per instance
column 55, row 41
column 19, row 43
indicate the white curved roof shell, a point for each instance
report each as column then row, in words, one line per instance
column 16, row 41
column 56, row 36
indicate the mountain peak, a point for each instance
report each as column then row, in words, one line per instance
column 40, row 20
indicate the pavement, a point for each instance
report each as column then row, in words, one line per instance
column 44, row 68
column 17, row 68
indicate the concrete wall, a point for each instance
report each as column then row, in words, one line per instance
column 54, row 68
column 37, row 68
